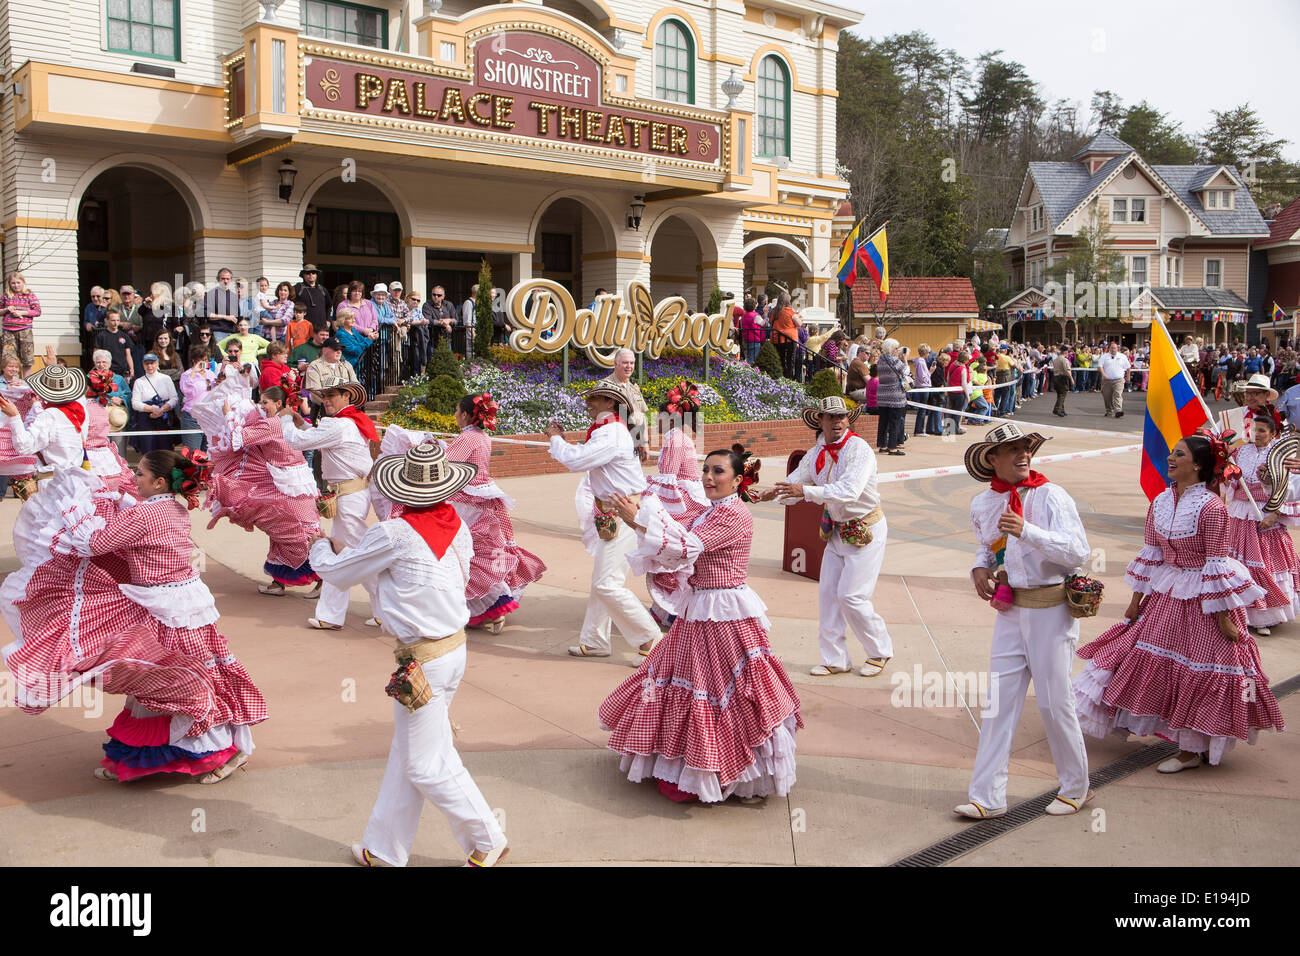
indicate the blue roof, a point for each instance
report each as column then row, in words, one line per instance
column 1064, row 186
column 1104, row 142
column 1244, row 219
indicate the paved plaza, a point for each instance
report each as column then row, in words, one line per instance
column 881, row 763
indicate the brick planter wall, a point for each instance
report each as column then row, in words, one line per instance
column 764, row 439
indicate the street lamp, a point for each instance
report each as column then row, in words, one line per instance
column 287, row 173
column 634, row 212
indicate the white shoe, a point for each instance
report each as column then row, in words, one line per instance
column 494, row 856
column 974, row 811
column 873, row 666
column 1064, row 806
column 1264, row 631
column 372, row 622
column 582, row 651
column 226, row 769
column 1173, row 764
column 826, row 670
column 323, row 625
column 365, row 857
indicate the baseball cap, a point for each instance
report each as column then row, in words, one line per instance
column 332, row 343
column 379, row 287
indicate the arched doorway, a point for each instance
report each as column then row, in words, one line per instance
column 683, row 260
column 133, row 228
column 566, row 242
column 774, row 265
column 352, row 232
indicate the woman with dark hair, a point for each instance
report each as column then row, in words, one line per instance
column 1182, row 664
column 169, row 360
column 148, row 547
column 711, row 712
column 500, row 569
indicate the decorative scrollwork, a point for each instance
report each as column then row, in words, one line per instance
column 330, row 84
column 541, row 56
column 705, row 143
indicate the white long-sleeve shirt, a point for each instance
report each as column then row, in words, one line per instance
column 846, row 487
column 147, row 386
column 416, row 594
column 608, row 457
column 345, row 453
column 51, row 435
column 1052, row 544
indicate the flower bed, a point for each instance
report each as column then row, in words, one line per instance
column 529, row 391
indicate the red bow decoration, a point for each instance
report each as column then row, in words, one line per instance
column 1276, row 414
column 749, row 473
column 485, row 412
column 683, row 398
column 1224, row 468
column 193, row 477
column 100, row 386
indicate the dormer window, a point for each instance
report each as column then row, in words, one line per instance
column 1037, row 219
column 1220, row 199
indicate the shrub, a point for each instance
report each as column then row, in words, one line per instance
column 444, row 392
column 769, row 360
column 443, row 362
column 483, row 312
column 824, row 384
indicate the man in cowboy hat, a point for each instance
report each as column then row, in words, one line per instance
column 315, row 297
column 609, row 458
column 419, row 565
column 343, row 437
column 1029, row 528
column 839, row 473
column 1259, row 394
column 58, row 433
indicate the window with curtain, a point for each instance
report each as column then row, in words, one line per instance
column 674, row 63
column 773, row 91
column 345, row 23
column 146, row 27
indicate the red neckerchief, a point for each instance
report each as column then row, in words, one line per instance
column 436, row 525
column 75, row 411
column 1033, row 481
column 833, row 450
column 364, row 424
column 607, row 421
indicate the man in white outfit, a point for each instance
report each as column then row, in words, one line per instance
column 1114, row 374
column 839, row 473
column 1040, row 541
column 610, row 460
column 343, row 439
column 420, row 565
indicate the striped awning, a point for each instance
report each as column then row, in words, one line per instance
column 982, row 325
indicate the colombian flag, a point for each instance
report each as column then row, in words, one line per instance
column 1278, row 314
column 874, row 254
column 1174, row 410
column 848, row 268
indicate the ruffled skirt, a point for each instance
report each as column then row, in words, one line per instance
column 1172, row 673
column 710, row 711
column 500, row 569
column 1270, row 557
column 251, row 499
column 12, row 463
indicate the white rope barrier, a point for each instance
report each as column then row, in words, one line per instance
column 1008, row 421
column 1040, row 460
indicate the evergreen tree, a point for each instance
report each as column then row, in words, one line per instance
column 1155, row 137
column 483, row 311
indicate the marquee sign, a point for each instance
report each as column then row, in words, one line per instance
column 546, row 319
column 525, row 84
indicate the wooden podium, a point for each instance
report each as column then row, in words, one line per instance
column 803, row 547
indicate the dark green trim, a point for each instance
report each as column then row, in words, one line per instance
column 690, row 56
column 759, row 98
column 175, row 28
column 383, row 20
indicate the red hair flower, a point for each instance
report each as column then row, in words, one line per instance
column 485, row 412
column 683, row 398
column 749, row 471
column 100, row 386
column 1224, row 468
column 192, row 477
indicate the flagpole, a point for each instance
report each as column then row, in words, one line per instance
column 1214, row 425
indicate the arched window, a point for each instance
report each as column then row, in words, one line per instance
column 773, row 108
column 674, row 63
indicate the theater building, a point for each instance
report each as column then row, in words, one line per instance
column 592, row 142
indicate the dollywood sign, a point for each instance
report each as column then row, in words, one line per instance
column 546, row 319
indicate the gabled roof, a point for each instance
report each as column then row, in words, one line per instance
column 993, row 239
column 1198, row 297
column 917, row 296
column 1064, row 186
column 1286, row 227
column 1243, row 220
column 1201, row 181
column 1104, row 142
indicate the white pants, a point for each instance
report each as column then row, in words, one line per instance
column 611, row 601
column 423, row 765
column 1035, row 643
column 347, row 528
column 848, row 579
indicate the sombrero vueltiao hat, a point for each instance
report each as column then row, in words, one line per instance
column 605, row 390
column 421, row 478
column 355, row 392
column 56, row 384
column 1260, row 382
column 831, row 405
column 978, row 464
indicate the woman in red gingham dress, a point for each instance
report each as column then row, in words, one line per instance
column 258, row 481
column 104, row 458
column 1264, row 547
column 710, row 712
column 152, row 539
column 1182, row 664
column 500, row 569
column 12, row 387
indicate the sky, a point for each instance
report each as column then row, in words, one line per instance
column 1186, row 57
